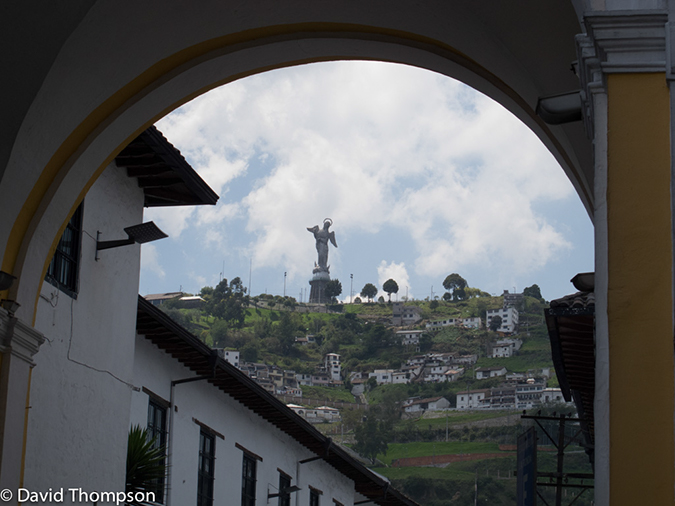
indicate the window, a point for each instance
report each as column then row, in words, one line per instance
column 157, row 434
column 313, row 497
column 205, row 476
column 248, row 481
column 284, row 483
column 63, row 269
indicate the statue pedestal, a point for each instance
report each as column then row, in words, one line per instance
column 318, row 284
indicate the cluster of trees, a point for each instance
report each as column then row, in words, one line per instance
column 369, row 290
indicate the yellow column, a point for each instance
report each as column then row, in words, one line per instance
column 639, row 298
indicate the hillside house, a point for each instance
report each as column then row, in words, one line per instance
column 513, row 299
column 469, row 323
column 501, row 397
column 157, row 299
column 509, row 316
column 430, row 404
column 400, row 377
column 472, row 323
column 409, row 337
column 190, row 302
column 529, row 393
column 490, row 372
column 465, row 359
column 403, row 314
column 332, row 367
column 382, row 376
column 471, row 399
column 231, row 356
column 454, row 374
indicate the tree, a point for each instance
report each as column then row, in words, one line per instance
column 390, row 286
column 495, row 323
column 369, row 291
column 433, row 304
column 333, row 289
column 372, row 438
column 533, row 291
column 456, row 284
column 285, row 331
column 228, row 302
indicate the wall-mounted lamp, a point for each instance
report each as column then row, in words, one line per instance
column 284, row 491
column 560, row 109
column 145, row 232
column 10, row 306
column 6, row 280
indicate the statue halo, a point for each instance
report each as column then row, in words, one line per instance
column 330, row 222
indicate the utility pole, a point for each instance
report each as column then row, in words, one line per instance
column 351, row 287
column 284, row 284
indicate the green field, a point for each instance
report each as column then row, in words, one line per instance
column 405, row 450
column 459, row 417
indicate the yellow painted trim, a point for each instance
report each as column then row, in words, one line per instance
column 25, row 428
column 173, row 65
column 639, row 299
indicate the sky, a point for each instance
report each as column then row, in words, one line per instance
column 421, row 175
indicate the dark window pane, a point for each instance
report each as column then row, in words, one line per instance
column 248, row 481
column 62, row 271
column 205, row 475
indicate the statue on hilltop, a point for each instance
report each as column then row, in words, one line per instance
column 322, row 236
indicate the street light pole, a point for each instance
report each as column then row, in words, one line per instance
column 284, row 284
column 351, row 287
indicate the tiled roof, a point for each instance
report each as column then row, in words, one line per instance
column 571, row 327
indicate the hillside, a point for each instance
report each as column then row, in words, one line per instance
column 363, row 337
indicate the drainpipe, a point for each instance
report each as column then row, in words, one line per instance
column 213, row 361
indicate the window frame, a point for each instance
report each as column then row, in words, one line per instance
column 158, row 433
column 206, row 465
column 68, row 282
column 248, row 479
column 284, row 482
column 314, row 497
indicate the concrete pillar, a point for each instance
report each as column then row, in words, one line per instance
column 19, row 342
column 627, row 99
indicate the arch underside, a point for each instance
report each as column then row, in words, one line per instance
column 115, row 75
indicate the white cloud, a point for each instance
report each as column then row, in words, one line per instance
column 369, row 145
column 150, row 260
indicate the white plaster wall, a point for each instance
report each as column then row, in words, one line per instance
column 155, row 370
column 79, row 417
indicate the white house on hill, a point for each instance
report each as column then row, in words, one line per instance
column 490, row 372
column 509, row 316
column 431, row 404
